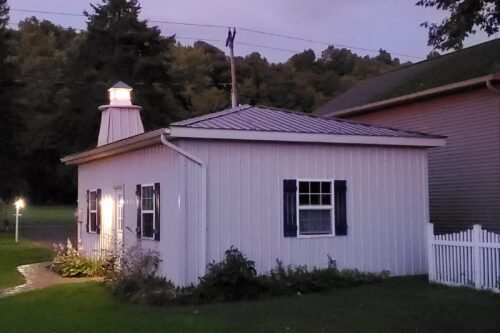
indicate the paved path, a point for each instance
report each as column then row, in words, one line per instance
column 39, row 276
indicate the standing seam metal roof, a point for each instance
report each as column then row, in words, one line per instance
column 262, row 118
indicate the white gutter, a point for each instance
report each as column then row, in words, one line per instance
column 428, row 93
column 250, row 135
column 203, row 209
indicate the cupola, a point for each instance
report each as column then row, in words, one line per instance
column 120, row 119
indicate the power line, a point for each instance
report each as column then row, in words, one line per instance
column 239, row 28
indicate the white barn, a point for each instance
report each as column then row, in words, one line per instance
column 274, row 183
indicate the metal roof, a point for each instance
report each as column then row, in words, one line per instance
column 263, row 118
column 121, row 84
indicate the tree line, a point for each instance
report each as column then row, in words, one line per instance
column 54, row 78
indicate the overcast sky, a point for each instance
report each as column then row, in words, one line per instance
column 369, row 24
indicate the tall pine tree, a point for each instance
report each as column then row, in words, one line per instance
column 117, row 46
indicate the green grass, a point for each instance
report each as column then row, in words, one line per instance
column 397, row 305
column 13, row 255
column 42, row 215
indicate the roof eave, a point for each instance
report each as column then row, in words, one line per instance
column 117, row 147
column 425, row 94
column 249, row 135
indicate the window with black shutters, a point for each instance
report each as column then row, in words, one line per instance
column 147, row 211
column 315, row 207
column 93, row 211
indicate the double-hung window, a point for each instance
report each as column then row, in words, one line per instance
column 93, row 211
column 314, row 209
column 147, row 211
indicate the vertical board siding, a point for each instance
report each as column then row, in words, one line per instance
column 464, row 176
column 386, row 203
column 466, row 258
column 146, row 166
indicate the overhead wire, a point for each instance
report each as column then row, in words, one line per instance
column 239, row 28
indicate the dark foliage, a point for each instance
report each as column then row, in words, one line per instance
column 63, row 76
column 11, row 181
column 232, row 279
column 293, row 280
column 465, row 17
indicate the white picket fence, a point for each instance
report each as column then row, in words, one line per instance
column 466, row 258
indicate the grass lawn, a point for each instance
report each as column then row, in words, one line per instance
column 13, row 255
column 397, row 305
column 42, row 215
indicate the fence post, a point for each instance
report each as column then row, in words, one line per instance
column 476, row 241
column 431, row 256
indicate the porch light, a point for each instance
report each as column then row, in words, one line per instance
column 119, row 94
column 107, row 213
column 19, row 203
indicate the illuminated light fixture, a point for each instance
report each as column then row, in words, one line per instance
column 119, row 94
column 107, row 212
column 19, row 203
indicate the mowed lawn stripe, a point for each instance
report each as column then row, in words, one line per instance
column 13, row 255
column 397, row 305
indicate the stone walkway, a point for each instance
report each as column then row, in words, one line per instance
column 39, row 276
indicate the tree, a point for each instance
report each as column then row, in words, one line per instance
column 41, row 52
column 117, row 46
column 11, row 182
column 465, row 17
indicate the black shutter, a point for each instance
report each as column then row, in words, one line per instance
column 340, row 208
column 138, row 194
column 290, row 208
column 88, row 211
column 98, row 208
column 157, row 212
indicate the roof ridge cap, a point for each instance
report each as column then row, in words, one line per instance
column 194, row 120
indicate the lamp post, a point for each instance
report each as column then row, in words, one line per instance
column 18, row 204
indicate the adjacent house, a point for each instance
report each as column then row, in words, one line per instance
column 278, row 185
column 456, row 95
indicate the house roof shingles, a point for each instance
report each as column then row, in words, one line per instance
column 261, row 118
column 473, row 62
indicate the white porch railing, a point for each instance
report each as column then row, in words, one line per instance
column 466, row 258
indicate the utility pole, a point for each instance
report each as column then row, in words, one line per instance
column 230, row 44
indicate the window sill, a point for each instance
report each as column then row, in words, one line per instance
column 147, row 238
column 317, row 236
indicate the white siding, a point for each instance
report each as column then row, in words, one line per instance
column 387, row 203
column 149, row 165
column 387, row 207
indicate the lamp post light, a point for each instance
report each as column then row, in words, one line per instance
column 18, row 204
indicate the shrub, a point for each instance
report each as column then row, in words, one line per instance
column 134, row 277
column 291, row 280
column 68, row 262
column 232, row 279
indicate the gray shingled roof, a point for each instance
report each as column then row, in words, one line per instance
column 262, row 118
column 468, row 63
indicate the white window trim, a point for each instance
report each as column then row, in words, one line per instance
column 319, row 207
column 93, row 211
column 120, row 210
column 148, row 211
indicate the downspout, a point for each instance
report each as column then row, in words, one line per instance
column 203, row 209
column 491, row 87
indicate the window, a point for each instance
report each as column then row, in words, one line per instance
column 147, row 211
column 119, row 213
column 315, row 207
column 93, row 211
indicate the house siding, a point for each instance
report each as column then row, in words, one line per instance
column 464, row 176
column 146, row 166
column 387, row 204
